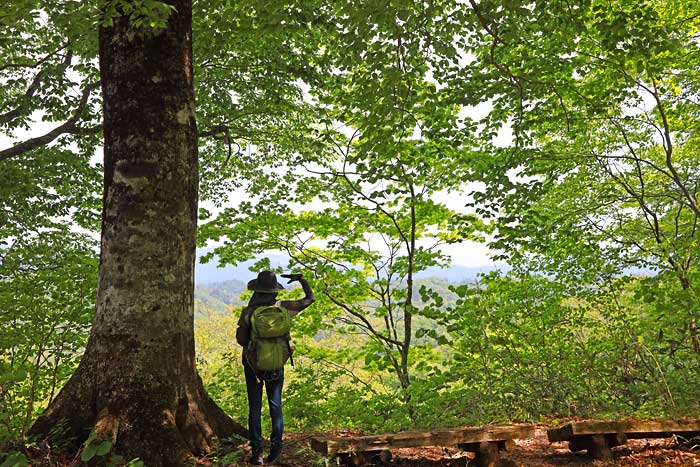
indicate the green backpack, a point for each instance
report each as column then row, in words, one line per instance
column 268, row 348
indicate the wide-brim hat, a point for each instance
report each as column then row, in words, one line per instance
column 265, row 282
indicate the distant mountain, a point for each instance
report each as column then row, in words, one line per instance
column 226, row 291
column 210, row 272
column 460, row 274
column 221, row 296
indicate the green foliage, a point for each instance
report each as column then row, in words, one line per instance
column 519, row 347
column 376, row 144
column 98, row 451
column 14, row 459
column 48, row 51
column 602, row 170
column 47, row 278
column 533, row 348
column 355, row 131
column 601, row 177
column 141, row 13
column 588, row 186
column 515, row 334
column 50, row 198
column 219, row 296
column 219, row 361
column 46, row 298
column 231, row 458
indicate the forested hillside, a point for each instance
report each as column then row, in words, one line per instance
column 369, row 144
column 219, row 296
column 226, row 296
column 503, row 348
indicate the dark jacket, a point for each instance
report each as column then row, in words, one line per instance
column 268, row 299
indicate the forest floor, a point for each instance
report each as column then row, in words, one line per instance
column 533, row 452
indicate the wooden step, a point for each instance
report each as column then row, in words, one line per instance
column 417, row 438
column 598, row 437
column 634, row 429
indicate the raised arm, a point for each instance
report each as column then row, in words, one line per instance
column 295, row 306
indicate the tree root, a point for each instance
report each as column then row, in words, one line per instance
column 148, row 423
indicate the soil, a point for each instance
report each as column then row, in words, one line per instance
column 533, row 452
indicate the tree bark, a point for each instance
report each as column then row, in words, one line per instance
column 137, row 380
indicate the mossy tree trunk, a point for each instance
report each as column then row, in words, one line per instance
column 137, row 381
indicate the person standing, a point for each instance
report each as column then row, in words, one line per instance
column 265, row 289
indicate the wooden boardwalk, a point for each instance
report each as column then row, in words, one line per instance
column 489, row 441
column 486, row 441
column 598, row 437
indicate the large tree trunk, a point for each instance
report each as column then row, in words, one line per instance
column 137, row 380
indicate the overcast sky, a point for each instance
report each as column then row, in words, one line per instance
column 469, row 254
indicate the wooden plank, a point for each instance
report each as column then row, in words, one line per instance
column 320, row 445
column 418, row 438
column 598, row 446
column 632, row 428
column 488, row 454
column 600, row 449
column 587, row 442
column 507, row 445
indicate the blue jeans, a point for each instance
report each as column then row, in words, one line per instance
column 273, row 388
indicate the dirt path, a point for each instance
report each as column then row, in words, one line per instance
column 538, row 452
column 534, row 452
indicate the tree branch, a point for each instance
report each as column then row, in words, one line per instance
column 33, row 86
column 68, row 127
column 668, row 147
column 364, row 322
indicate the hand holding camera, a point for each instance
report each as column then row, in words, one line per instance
column 292, row 277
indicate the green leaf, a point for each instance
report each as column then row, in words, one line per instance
column 103, row 448
column 15, row 459
column 88, row 453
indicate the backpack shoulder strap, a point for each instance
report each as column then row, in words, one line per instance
column 267, row 307
column 243, row 331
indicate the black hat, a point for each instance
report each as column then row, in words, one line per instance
column 266, row 282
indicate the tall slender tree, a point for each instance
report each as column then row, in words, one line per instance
column 137, row 384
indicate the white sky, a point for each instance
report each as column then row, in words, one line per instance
column 468, row 253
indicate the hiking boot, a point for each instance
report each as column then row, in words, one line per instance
column 256, row 458
column 275, row 454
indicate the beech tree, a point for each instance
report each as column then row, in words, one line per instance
column 136, row 384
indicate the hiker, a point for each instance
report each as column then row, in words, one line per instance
column 264, row 301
